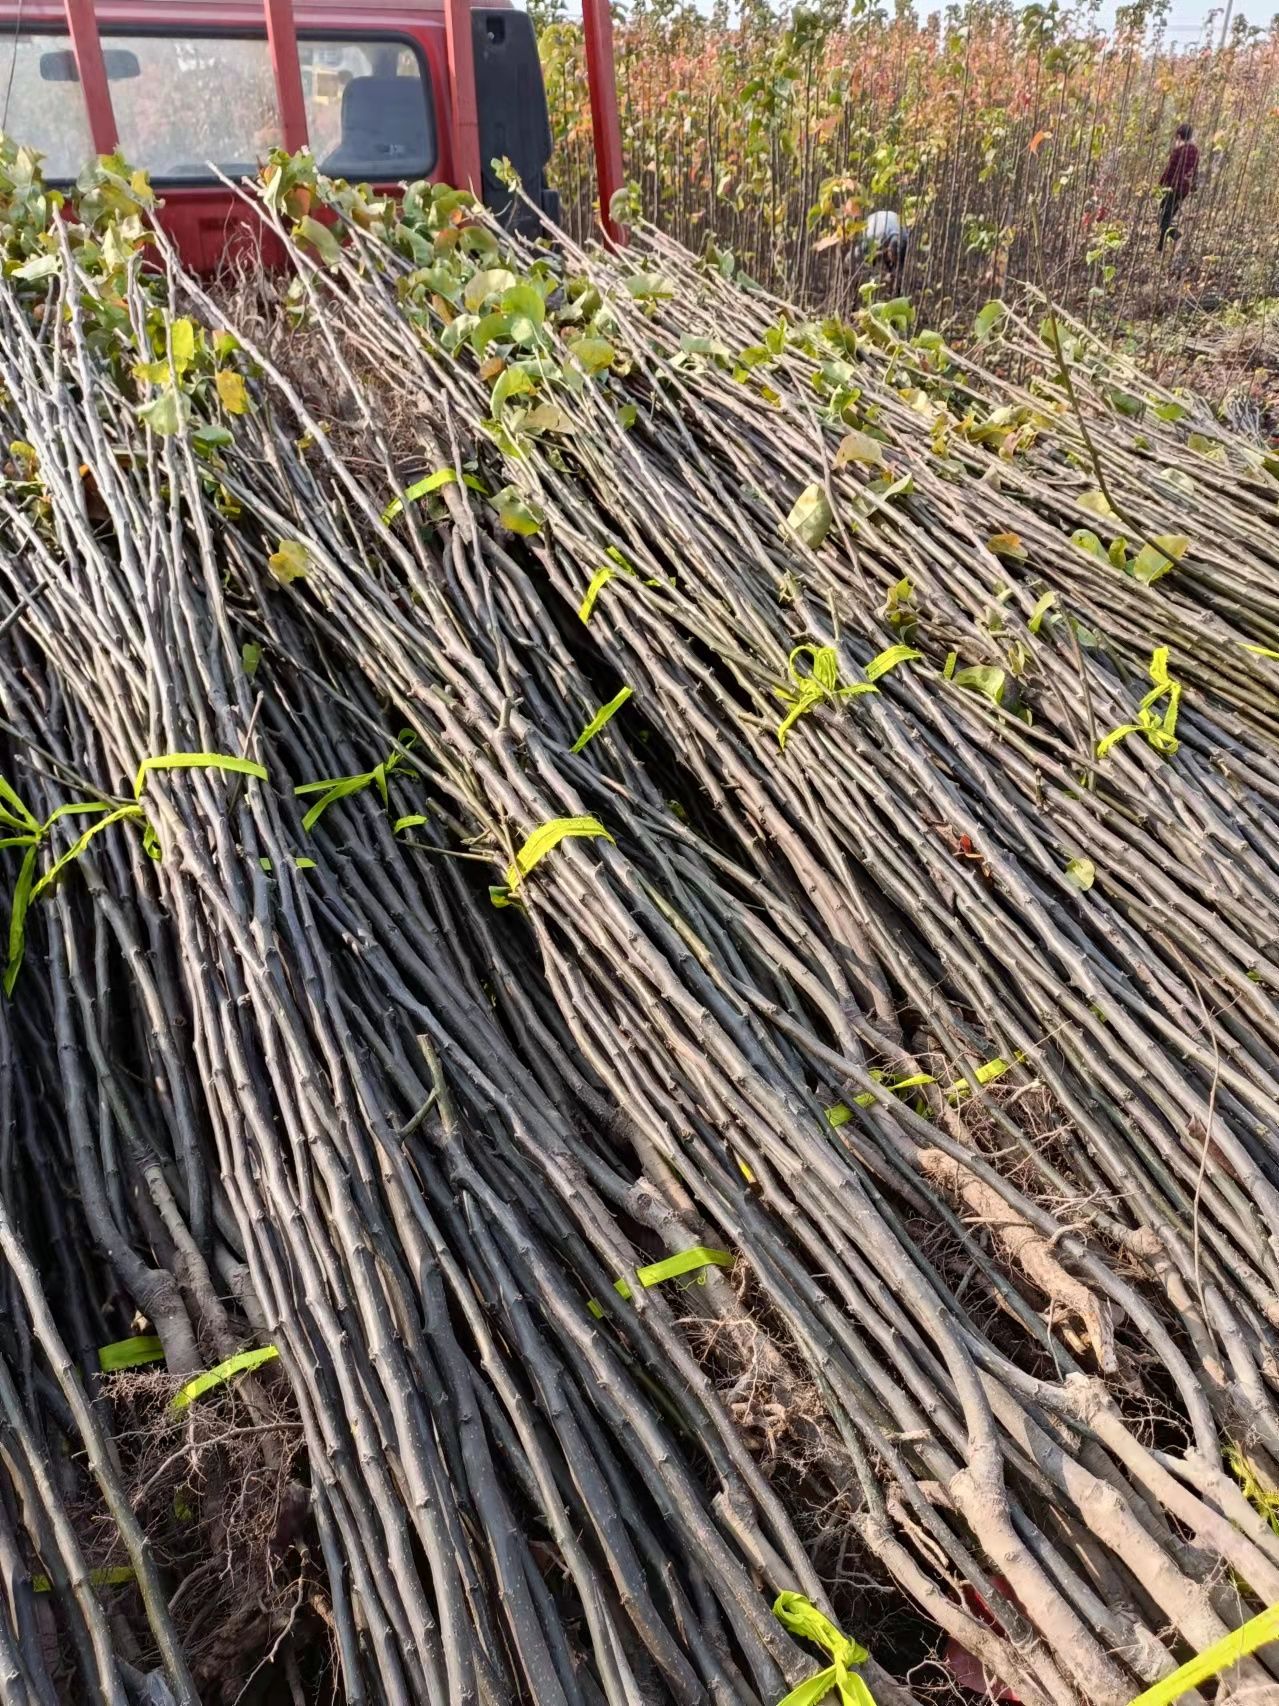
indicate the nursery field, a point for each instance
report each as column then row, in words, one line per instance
column 1016, row 144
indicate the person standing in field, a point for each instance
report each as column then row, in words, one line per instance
column 1180, row 179
column 884, row 241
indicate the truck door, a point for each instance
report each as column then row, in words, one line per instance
column 510, row 99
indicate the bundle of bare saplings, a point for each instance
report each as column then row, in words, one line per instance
column 641, row 1045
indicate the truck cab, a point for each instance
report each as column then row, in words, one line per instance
column 380, row 94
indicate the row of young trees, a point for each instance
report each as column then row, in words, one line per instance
column 1014, row 142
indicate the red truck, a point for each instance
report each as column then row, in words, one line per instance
column 380, row 93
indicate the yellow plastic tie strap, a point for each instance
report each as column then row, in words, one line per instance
column 799, row 1616
column 1259, row 1496
column 196, row 761
column 1220, row 1656
column 601, row 716
column 544, row 839
column 671, row 1267
column 840, row 1114
column 130, row 1353
column 889, row 660
column 115, row 1577
column 1159, row 727
column 599, row 580
column 602, row 576
column 29, row 835
column 823, row 681
column 686, row 1262
column 424, row 487
column 240, row 1364
column 985, row 1074
column 339, row 787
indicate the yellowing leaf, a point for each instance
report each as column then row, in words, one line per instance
column 1007, row 545
column 811, row 517
column 1042, row 606
column 1098, row 503
column 1089, row 542
column 594, row 354
column 547, row 417
column 320, row 238
column 1038, row 139
column 481, row 286
column 648, row 286
column 182, row 338
column 1082, row 872
column 232, row 392
column 1152, row 562
column 1206, row 447
column 516, row 513
column 859, row 447
column 291, row 562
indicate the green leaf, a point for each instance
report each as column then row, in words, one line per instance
column 511, row 382
column 692, row 345
column 517, row 513
column 1171, row 411
column 166, row 414
column 40, row 266
column 290, row 562
column 210, row 437
column 1042, row 606
column 321, row 240
column 1208, row 448
column 811, row 517
column 482, row 286
column 981, row 678
column 988, row 319
column 490, row 328
column 250, row 658
column 1151, row 562
column 594, row 354
column 859, row 447
column 1082, row 872
column 151, row 372
column 477, row 240
column 527, row 312
column 547, row 417
column 1179, row 478
column 1124, row 403
column 1089, row 542
column 649, row 287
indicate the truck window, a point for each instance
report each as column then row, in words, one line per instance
column 193, row 100
column 44, row 104
column 368, row 109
